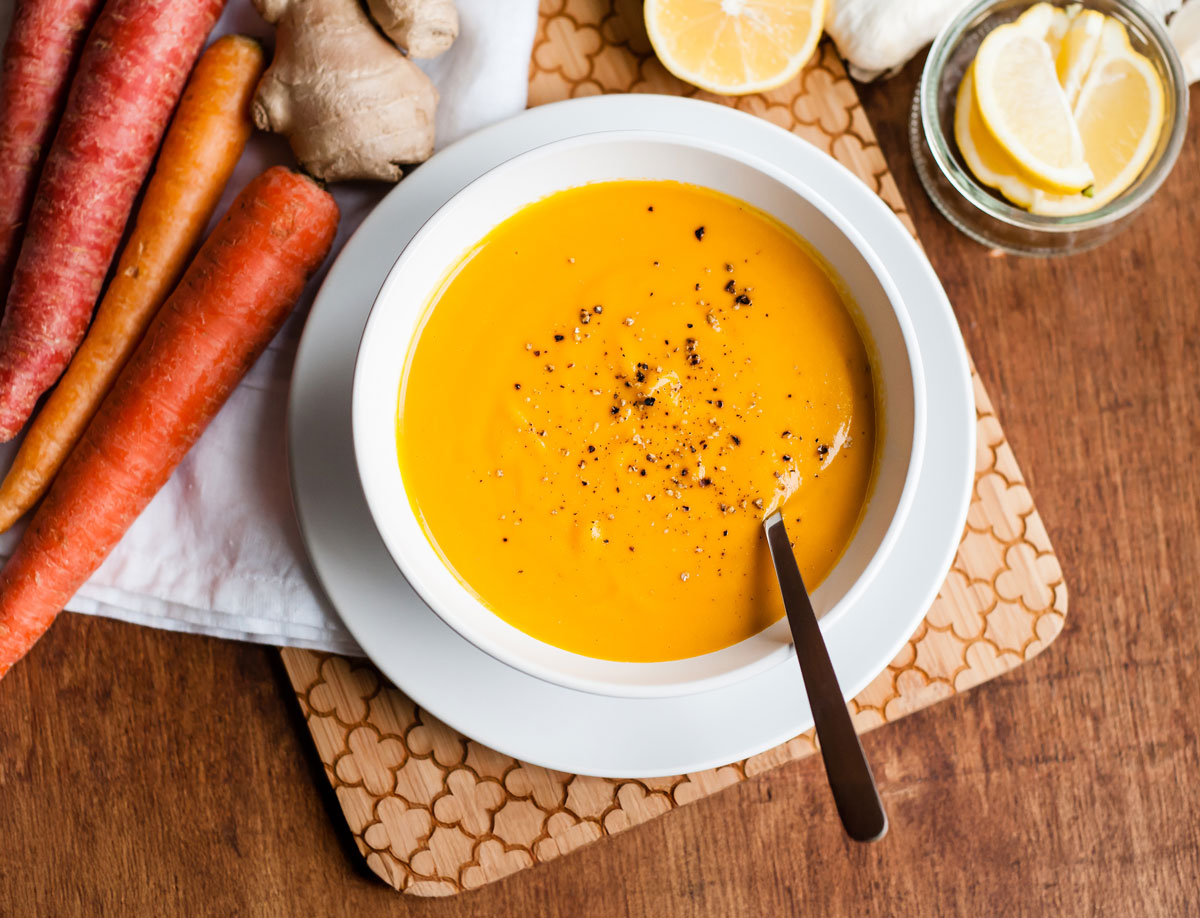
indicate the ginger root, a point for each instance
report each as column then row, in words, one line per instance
column 423, row 28
column 351, row 105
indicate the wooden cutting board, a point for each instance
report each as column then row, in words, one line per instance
column 435, row 813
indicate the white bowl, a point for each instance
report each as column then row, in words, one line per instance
column 397, row 317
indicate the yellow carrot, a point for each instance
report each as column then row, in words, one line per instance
column 202, row 146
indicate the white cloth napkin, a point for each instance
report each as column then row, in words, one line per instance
column 217, row 551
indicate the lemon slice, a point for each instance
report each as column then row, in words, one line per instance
column 1120, row 115
column 1050, row 23
column 1025, row 109
column 984, row 157
column 1077, row 50
column 735, row 47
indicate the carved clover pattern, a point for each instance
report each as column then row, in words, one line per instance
column 958, row 594
column 565, row 834
column 819, row 105
column 908, row 653
column 1006, row 462
column 768, row 107
column 370, row 760
column 519, row 822
column 663, row 782
column 487, row 763
column 1028, row 577
column 420, row 781
column 865, row 718
column 1035, row 535
column 492, row 862
column 1010, row 625
column 432, row 737
column 703, row 783
column 399, row 828
column 434, row 813
column 392, row 712
column 547, row 788
column 469, row 803
column 988, row 436
column 568, row 49
column 1048, row 625
column 880, row 690
column 343, row 690
column 635, row 805
column 1000, row 506
column 444, row 854
column 939, row 652
column 588, row 796
column 915, row 690
column 983, row 661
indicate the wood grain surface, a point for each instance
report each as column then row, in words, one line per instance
column 143, row 772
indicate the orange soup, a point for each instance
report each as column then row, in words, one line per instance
column 610, row 392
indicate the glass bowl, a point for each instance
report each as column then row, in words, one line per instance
column 982, row 213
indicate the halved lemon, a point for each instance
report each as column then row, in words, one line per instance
column 735, row 47
column 1120, row 114
column 1025, row 109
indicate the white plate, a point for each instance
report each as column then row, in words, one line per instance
column 516, row 713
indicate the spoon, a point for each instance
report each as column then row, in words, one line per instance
column 850, row 778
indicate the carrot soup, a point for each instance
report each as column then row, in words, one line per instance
column 609, row 393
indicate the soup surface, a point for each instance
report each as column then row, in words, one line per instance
column 612, row 390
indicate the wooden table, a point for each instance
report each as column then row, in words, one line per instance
column 143, row 772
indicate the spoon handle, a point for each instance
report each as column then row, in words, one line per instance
column 849, row 775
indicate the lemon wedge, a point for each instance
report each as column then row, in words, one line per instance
column 1120, row 113
column 1077, row 50
column 1050, row 23
column 735, row 47
column 984, row 157
column 1024, row 107
column 1072, row 34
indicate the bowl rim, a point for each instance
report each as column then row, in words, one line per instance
column 396, row 545
column 1148, row 181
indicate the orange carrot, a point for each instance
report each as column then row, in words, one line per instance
column 202, row 146
column 230, row 303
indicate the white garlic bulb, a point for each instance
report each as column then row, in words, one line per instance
column 1185, row 33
